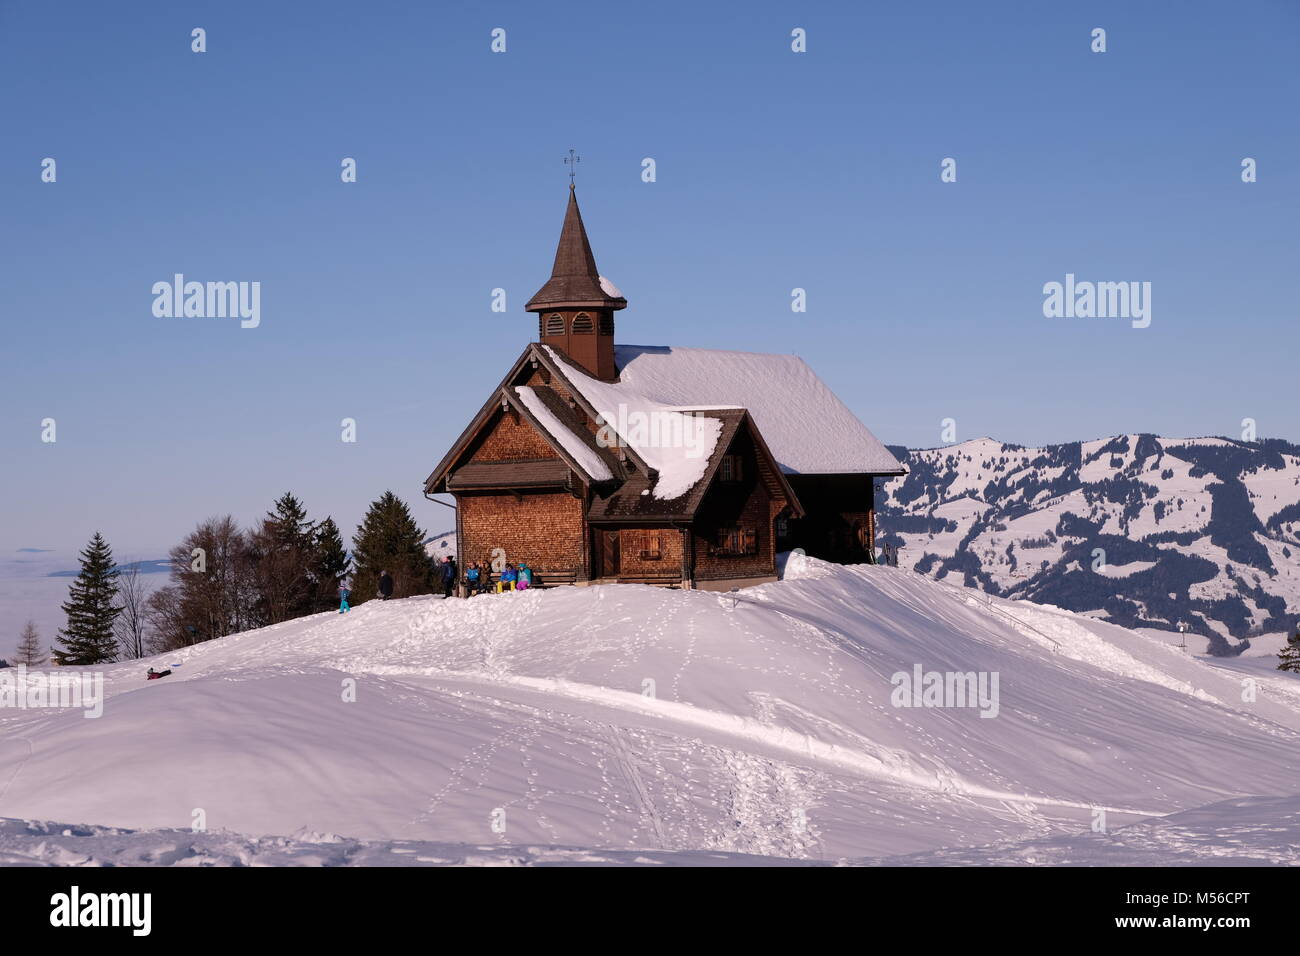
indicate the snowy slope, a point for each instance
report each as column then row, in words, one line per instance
column 1201, row 531
column 1252, row 831
column 770, row 732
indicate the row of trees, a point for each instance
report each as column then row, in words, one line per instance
column 225, row 579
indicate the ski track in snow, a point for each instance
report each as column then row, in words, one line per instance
column 770, row 734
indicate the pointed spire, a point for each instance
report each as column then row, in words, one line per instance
column 574, row 281
column 573, row 255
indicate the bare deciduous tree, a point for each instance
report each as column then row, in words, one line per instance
column 281, row 572
column 166, row 623
column 133, row 596
column 212, row 592
column 30, row 653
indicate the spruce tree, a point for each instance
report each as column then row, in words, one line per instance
column 330, row 563
column 282, row 550
column 1289, row 656
column 390, row 540
column 30, row 653
column 91, row 609
column 289, row 519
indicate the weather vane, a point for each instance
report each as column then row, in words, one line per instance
column 572, row 162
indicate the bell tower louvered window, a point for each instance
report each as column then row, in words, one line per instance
column 582, row 323
column 606, row 325
column 554, row 324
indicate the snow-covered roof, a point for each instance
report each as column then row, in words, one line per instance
column 808, row 429
column 676, row 442
column 587, row 459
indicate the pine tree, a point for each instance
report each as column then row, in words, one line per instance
column 1289, row 656
column 330, row 563
column 389, row 540
column 91, row 609
column 282, row 550
column 30, row 653
column 289, row 520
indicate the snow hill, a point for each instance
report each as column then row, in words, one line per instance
column 1203, row 531
column 631, row 724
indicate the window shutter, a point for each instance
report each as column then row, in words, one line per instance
column 650, row 546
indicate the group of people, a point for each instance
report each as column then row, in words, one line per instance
column 889, row 555
column 513, row 577
column 478, row 579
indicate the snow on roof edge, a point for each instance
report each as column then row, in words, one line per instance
column 576, row 448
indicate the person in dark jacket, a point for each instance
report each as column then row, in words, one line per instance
column 448, row 574
column 385, row 585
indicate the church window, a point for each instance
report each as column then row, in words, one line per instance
column 606, row 325
column 582, row 323
column 729, row 469
column 554, row 324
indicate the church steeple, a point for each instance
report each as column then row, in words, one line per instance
column 576, row 306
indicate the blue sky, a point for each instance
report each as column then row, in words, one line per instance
column 776, row 170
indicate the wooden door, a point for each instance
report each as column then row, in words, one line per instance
column 607, row 553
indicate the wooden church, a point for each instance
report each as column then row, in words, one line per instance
column 595, row 462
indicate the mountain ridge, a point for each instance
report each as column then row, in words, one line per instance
column 1142, row 530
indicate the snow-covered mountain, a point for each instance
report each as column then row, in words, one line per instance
column 1141, row 530
column 439, row 546
column 624, row 723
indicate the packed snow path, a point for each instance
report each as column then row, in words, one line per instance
column 627, row 718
